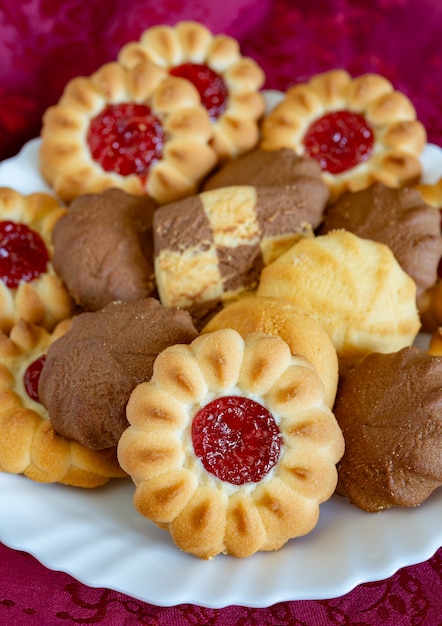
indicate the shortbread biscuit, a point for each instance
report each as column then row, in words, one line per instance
column 361, row 130
column 228, row 82
column 303, row 333
column 29, row 287
column 29, row 444
column 430, row 301
column 354, row 287
column 231, row 445
column 136, row 129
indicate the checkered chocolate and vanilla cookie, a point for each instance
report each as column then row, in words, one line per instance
column 211, row 248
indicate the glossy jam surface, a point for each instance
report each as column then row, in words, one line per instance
column 210, row 85
column 23, row 254
column 32, row 376
column 339, row 141
column 237, row 439
column 126, row 139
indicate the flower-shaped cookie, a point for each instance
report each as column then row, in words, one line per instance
column 28, row 443
column 138, row 129
column 360, row 130
column 29, row 286
column 231, row 445
column 227, row 82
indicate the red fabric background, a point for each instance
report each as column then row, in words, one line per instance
column 44, row 43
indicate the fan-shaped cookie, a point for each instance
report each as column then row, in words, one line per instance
column 29, row 287
column 354, row 287
column 360, row 130
column 231, row 445
column 136, row 129
column 29, row 444
column 227, row 82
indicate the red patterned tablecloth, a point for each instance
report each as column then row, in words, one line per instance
column 43, row 43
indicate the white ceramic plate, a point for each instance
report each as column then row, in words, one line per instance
column 99, row 538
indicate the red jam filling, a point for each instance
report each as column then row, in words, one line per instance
column 23, row 254
column 236, row 439
column 210, row 85
column 32, row 376
column 126, row 139
column 339, row 141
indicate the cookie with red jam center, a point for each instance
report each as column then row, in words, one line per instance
column 138, row 129
column 360, row 130
column 231, row 444
column 227, row 82
column 29, row 444
column 30, row 289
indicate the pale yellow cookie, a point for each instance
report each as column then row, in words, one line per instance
column 354, row 287
column 231, row 444
column 389, row 119
column 29, row 444
column 235, row 129
column 301, row 331
column 41, row 298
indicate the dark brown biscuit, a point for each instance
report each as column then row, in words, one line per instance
column 104, row 248
column 389, row 408
column 398, row 218
column 90, row 372
column 265, row 168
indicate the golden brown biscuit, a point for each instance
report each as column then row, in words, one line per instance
column 303, row 333
column 354, row 287
column 432, row 193
column 228, row 82
column 29, row 287
column 29, row 444
column 231, row 446
column 361, row 130
column 430, row 302
column 161, row 131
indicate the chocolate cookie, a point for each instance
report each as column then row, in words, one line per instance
column 90, row 372
column 389, row 408
column 266, row 168
column 398, row 218
column 104, row 248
